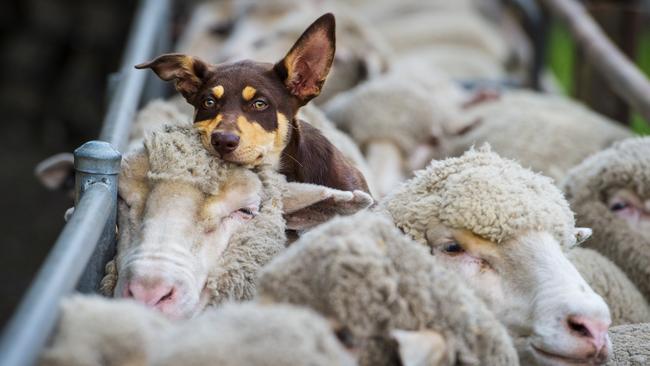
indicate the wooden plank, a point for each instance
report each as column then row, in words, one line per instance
column 621, row 74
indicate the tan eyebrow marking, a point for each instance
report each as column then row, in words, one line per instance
column 248, row 93
column 218, row 91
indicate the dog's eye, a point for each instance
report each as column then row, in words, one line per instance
column 208, row 103
column 260, row 105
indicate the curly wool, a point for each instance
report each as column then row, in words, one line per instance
column 94, row 330
column 234, row 278
column 550, row 134
column 626, row 304
column 631, row 345
column 484, row 193
column 370, row 278
column 624, row 165
column 176, row 154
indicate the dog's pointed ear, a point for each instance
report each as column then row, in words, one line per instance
column 188, row 72
column 307, row 64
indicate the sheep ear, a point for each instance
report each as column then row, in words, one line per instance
column 133, row 173
column 187, row 72
column 307, row 205
column 420, row 348
column 56, row 172
column 582, row 234
column 307, row 64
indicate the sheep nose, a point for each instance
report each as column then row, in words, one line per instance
column 592, row 330
column 152, row 293
column 224, row 142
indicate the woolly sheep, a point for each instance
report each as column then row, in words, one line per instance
column 631, row 345
column 458, row 62
column 610, row 192
column 626, row 304
column 194, row 230
column 547, row 133
column 94, row 331
column 445, row 28
column 380, row 11
column 372, row 281
column 396, row 116
column 503, row 228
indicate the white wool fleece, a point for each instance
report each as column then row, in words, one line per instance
column 481, row 192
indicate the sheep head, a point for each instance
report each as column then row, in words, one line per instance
column 610, row 191
column 504, row 228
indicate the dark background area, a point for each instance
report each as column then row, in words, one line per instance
column 56, row 55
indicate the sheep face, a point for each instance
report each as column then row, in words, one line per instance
column 504, row 229
column 535, row 291
column 173, row 233
column 632, row 208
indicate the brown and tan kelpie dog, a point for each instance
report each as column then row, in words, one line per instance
column 246, row 110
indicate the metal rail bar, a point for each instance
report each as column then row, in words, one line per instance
column 140, row 47
column 87, row 241
column 621, row 74
column 37, row 314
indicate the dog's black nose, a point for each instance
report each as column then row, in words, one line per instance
column 224, row 142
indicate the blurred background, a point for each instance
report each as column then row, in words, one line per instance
column 57, row 55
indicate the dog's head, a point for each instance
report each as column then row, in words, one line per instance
column 243, row 109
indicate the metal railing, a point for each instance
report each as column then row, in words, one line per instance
column 87, row 241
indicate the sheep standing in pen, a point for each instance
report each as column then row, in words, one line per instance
column 397, row 117
column 547, row 133
column 610, row 192
column 194, row 230
column 96, row 331
column 504, row 229
column 383, row 290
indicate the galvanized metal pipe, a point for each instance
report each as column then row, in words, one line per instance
column 126, row 98
column 31, row 325
column 87, row 240
column 97, row 161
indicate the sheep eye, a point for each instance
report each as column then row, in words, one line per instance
column 618, row 206
column 453, row 248
column 346, row 338
column 247, row 212
column 260, row 105
column 208, row 103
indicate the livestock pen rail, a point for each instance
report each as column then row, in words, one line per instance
column 87, row 242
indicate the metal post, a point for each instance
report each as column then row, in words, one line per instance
column 33, row 321
column 97, row 161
